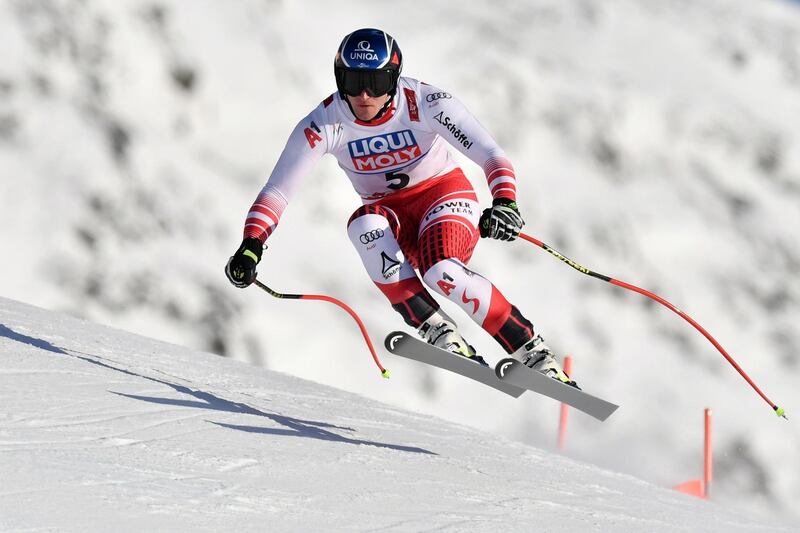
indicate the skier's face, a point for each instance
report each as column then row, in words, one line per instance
column 365, row 106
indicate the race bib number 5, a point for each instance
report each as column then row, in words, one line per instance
column 400, row 180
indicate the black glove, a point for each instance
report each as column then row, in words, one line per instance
column 501, row 221
column 241, row 267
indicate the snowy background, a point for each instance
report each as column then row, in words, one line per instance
column 655, row 141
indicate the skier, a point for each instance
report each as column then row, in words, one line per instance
column 419, row 211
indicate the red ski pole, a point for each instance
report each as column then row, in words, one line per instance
column 778, row 410
column 384, row 372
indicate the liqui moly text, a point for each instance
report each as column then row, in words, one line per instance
column 384, row 151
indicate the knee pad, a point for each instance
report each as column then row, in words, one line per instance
column 469, row 290
column 372, row 230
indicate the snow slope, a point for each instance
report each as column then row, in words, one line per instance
column 655, row 141
column 104, row 430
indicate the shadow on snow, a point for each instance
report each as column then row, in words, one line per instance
column 24, row 339
column 205, row 400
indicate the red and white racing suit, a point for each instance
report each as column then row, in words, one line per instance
column 419, row 210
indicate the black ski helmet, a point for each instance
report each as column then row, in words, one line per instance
column 368, row 59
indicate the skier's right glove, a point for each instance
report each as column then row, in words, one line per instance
column 501, row 221
column 241, row 267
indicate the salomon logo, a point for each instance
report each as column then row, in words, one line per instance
column 476, row 303
column 370, row 236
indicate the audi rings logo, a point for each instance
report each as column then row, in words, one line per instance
column 437, row 96
column 370, row 236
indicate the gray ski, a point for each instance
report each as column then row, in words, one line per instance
column 515, row 373
column 403, row 344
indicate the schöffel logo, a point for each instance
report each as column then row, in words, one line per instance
column 460, row 136
column 384, row 151
column 390, row 266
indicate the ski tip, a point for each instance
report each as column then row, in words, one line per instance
column 503, row 365
column 392, row 339
column 385, row 373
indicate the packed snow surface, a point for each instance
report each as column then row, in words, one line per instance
column 102, row 430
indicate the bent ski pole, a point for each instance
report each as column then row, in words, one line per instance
column 778, row 410
column 322, row 297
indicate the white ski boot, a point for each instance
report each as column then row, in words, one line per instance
column 439, row 330
column 538, row 356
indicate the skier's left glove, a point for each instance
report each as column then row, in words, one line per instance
column 501, row 221
column 241, row 267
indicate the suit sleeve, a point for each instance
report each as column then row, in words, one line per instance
column 448, row 117
column 306, row 145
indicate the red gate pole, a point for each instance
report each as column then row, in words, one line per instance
column 562, row 423
column 701, row 488
column 707, row 458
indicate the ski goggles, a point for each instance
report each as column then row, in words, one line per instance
column 375, row 82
